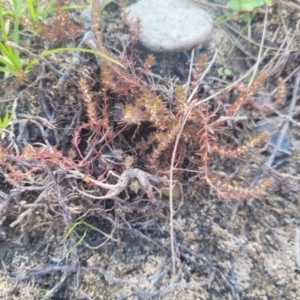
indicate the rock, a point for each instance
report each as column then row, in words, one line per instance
column 170, row 25
column 286, row 145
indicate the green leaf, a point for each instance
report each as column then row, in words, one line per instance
column 9, row 71
column 2, row 25
column 31, row 64
column 227, row 72
column 220, row 71
column 32, row 11
column 18, row 9
column 235, row 4
column 4, row 122
column 246, row 5
column 10, row 58
column 6, row 61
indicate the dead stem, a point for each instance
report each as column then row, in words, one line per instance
column 283, row 131
column 56, row 287
column 259, row 56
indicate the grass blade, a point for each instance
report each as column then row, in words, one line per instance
column 2, row 25
column 10, row 56
column 16, row 26
column 104, row 56
column 9, row 71
column 32, row 11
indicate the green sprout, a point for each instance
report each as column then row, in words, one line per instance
column 10, row 62
column 39, row 15
column 10, row 59
column 224, row 73
column 5, row 122
column 87, row 226
column 247, row 5
column 42, row 291
column 36, row 13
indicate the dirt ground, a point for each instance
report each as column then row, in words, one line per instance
column 224, row 249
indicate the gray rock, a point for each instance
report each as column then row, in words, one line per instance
column 170, row 25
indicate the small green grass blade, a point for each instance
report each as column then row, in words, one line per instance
column 5, row 61
column 10, row 55
column 9, row 71
column 2, row 25
column 16, row 26
column 32, row 11
column 5, row 121
column 104, row 56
